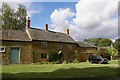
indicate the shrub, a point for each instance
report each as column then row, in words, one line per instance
column 75, row 57
column 53, row 56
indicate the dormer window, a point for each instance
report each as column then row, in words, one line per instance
column 2, row 48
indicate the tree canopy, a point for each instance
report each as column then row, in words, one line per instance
column 100, row 42
column 11, row 19
column 117, row 44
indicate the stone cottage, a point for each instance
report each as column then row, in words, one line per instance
column 34, row 45
column 18, row 46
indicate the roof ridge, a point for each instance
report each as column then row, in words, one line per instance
column 40, row 34
column 46, row 31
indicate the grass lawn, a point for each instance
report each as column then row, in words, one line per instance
column 71, row 70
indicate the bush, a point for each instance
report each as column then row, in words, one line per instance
column 53, row 56
column 111, row 52
column 76, row 56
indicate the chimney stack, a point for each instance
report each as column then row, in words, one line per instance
column 46, row 27
column 28, row 23
column 67, row 31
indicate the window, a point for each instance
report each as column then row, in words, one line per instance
column 44, row 44
column 2, row 49
column 43, row 55
column 59, row 46
column 70, row 46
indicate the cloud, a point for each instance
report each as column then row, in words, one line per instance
column 96, row 19
column 29, row 5
column 59, row 18
column 32, row 9
column 93, row 20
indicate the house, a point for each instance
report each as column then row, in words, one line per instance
column 85, row 49
column 34, row 45
column 45, row 41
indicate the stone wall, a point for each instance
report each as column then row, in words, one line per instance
column 84, row 52
column 25, row 51
column 53, row 46
column 30, row 52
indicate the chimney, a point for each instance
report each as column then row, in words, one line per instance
column 46, row 27
column 67, row 31
column 28, row 23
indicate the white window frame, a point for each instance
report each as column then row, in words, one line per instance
column 3, row 48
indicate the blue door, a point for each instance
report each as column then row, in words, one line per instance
column 14, row 55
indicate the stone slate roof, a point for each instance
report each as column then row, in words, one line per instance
column 85, row 44
column 38, row 34
column 15, row 35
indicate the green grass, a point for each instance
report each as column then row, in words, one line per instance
column 72, row 70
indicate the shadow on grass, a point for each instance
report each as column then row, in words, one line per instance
column 93, row 73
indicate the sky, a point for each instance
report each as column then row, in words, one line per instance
column 84, row 18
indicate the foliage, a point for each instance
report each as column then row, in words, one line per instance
column 104, row 42
column 111, row 52
column 75, row 57
column 93, row 41
column 100, row 42
column 11, row 19
column 53, row 56
column 117, row 44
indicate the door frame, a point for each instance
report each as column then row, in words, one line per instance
column 18, row 52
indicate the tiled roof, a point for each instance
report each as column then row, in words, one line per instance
column 16, row 35
column 38, row 34
column 85, row 44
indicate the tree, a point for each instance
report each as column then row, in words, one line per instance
column 100, row 42
column 117, row 45
column 111, row 52
column 92, row 41
column 12, row 19
column 104, row 42
column 6, row 16
column 21, row 15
